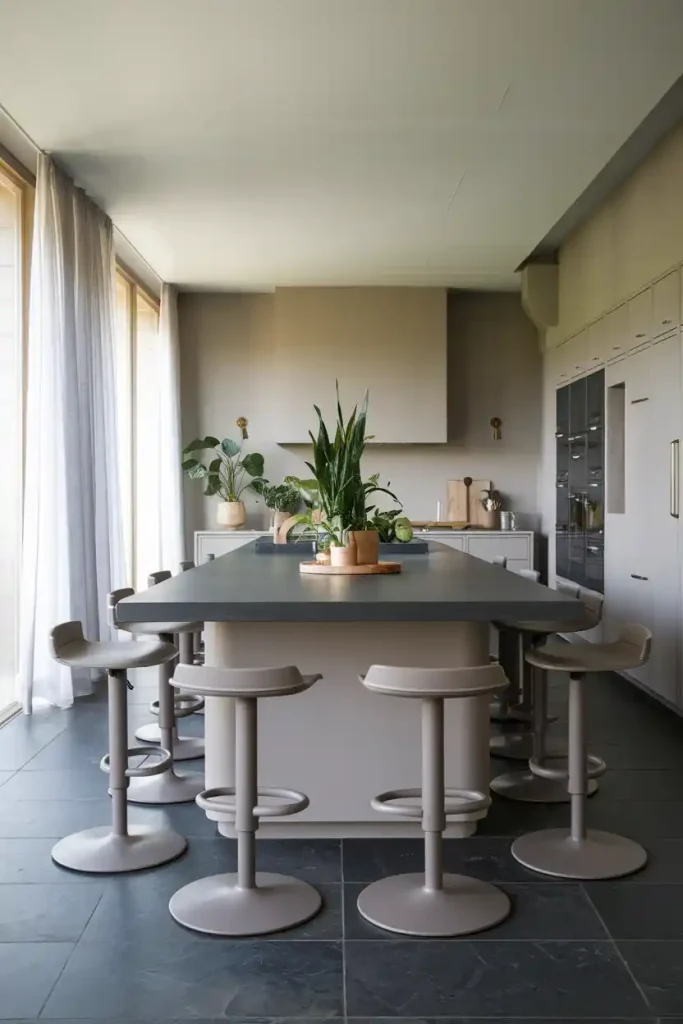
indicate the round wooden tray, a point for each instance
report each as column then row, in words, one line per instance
column 319, row 569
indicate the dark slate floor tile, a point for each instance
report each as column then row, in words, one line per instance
column 640, row 820
column 640, row 784
column 539, row 912
column 511, row 818
column 24, row 736
column 639, row 911
column 27, row 819
column 658, row 969
column 491, row 1020
column 84, row 783
column 137, row 908
column 407, row 979
column 28, row 861
column 200, row 977
column 28, row 970
column 63, row 752
column 644, row 753
column 46, row 913
column 4, row 777
column 485, row 857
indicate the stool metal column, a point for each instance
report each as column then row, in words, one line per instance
column 434, row 903
column 246, row 902
column 119, row 847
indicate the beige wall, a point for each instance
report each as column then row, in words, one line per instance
column 634, row 238
column 494, row 369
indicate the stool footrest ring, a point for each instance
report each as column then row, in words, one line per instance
column 184, row 704
column 223, row 799
column 456, row 801
column 162, row 762
column 595, row 768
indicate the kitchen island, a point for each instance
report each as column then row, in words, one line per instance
column 339, row 743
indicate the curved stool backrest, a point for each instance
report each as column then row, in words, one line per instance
column 242, row 682
column 63, row 636
column 570, row 589
column 529, row 574
column 113, row 598
column 501, row 560
column 639, row 637
column 158, row 577
column 186, row 565
column 435, row 682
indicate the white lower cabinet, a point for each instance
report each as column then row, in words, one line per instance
column 642, row 543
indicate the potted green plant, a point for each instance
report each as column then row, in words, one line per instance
column 282, row 499
column 228, row 475
column 340, row 508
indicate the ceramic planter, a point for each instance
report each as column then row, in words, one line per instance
column 367, row 546
column 277, row 518
column 344, row 556
column 232, row 514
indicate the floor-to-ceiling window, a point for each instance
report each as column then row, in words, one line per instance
column 15, row 211
column 137, row 326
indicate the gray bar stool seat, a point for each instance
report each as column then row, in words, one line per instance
column 167, row 787
column 545, row 778
column 119, row 847
column 433, row 904
column 246, row 902
column 579, row 852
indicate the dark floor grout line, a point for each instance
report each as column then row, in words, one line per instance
column 343, row 918
column 618, row 951
column 68, row 959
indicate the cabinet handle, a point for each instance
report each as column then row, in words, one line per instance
column 674, row 482
column 669, row 321
column 641, row 335
column 637, row 401
column 635, row 576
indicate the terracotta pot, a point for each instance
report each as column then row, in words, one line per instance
column 343, row 556
column 490, row 519
column 367, row 546
column 231, row 513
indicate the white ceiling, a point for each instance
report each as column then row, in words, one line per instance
column 253, row 143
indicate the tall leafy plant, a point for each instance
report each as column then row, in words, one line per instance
column 342, row 494
column 229, row 473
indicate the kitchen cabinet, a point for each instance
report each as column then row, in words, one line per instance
column 597, row 344
column 578, row 354
column 222, row 542
column 666, row 304
column 579, row 481
column 616, row 333
column 640, row 319
column 643, row 544
column 562, row 360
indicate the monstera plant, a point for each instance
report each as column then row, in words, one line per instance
column 228, row 474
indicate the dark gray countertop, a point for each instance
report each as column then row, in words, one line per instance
column 444, row 585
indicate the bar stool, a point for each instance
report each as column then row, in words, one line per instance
column 433, row 904
column 541, row 782
column 119, row 847
column 185, row 748
column 246, row 902
column 166, row 787
column 579, row 852
column 500, row 560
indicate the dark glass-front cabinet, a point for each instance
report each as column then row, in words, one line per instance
column 580, row 485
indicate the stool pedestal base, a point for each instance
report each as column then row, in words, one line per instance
column 218, row 906
column 166, row 788
column 402, row 904
column 517, row 746
column 185, row 748
column 530, row 788
column 599, row 855
column 100, row 851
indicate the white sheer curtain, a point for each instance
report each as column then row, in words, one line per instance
column 168, row 443
column 72, row 538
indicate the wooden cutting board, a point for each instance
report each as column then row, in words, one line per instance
column 463, row 507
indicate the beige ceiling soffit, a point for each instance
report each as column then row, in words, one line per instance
column 17, row 148
column 540, row 294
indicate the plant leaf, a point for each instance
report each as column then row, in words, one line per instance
column 198, row 472
column 231, row 448
column 253, row 464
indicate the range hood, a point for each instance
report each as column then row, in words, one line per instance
column 391, row 341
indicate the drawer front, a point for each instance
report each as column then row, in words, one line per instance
column 616, row 329
column 640, row 319
column 515, row 548
column 457, row 543
column 666, row 304
column 578, row 354
column 597, row 344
